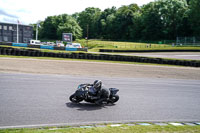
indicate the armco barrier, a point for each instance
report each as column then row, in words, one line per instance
column 59, row 48
column 32, row 52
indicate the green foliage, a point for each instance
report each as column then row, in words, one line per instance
column 194, row 15
column 54, row 26
column 68, row 25
column 164, row 19
column 158, row 20
column 88, row 20
column 107, row 129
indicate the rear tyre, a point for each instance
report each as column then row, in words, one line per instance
column 114, row 98
column 75, row 99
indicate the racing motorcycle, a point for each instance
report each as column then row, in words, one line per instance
column 83, row 94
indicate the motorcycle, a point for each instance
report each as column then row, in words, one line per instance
column 82, row 94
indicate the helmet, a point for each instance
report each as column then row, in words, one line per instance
column 97, row 85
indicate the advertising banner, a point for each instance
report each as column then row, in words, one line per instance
column 67, row 37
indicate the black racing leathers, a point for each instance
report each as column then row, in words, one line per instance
column 101, row 95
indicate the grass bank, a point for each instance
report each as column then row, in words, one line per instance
column 95, row 45
column 117, row 44
column 108, row 129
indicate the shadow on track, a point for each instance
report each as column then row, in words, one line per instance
column 85, row 106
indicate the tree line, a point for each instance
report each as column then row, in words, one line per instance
column 158, row 20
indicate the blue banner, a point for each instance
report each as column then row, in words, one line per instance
column 71, row 49
column 46, row 47
column 20, row 44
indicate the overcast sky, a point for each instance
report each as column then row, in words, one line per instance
column 30, row 11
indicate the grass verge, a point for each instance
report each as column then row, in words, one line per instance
column 107, row 129
column 95, row 45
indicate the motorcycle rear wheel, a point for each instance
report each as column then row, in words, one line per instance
column 75, row 99
column 114, row 98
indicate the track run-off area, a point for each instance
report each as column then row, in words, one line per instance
column 36, row 92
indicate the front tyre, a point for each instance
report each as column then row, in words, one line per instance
column 114, row 98
column 73, row 98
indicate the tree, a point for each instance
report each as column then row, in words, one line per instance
column 194, row 15
column 164, row 19
column 172, row 14
column 68, row 25
column 88, row 20
column 151, row 22
column 124, row 22
column 161, row 19
column 49, row 28
column 54, row 26
column 106, row 23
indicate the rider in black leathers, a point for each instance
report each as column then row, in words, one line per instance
column 98, row 92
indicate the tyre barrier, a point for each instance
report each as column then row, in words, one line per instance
column 37, row 53
column 58, row 48
column 34, row 46
column 167, row 50
column 6, row 43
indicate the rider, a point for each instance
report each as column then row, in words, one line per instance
column 99, row 92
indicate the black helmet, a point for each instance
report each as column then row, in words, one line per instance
column 97, row 84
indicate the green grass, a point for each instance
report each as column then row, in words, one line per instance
column 108, row 129
column 95, row 45
column 116, row 44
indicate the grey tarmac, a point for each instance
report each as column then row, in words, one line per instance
column 42, row 99
column 35, row 92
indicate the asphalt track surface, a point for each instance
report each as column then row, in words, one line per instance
column 28, row 100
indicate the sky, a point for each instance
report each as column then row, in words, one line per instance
column 32, row 11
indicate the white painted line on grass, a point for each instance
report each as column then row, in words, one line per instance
column 116, row 125
column 176, row 124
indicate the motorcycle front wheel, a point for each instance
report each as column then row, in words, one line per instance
column 114, row 98
column 75, row 99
